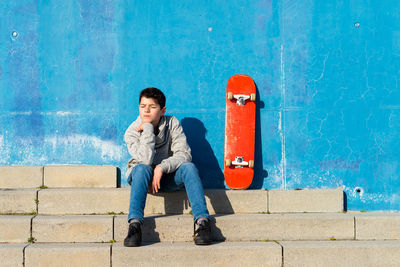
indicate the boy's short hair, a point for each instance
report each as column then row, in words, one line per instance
column 154, row 93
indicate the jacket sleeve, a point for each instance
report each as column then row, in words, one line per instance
column 180, row 150
column 141, row 145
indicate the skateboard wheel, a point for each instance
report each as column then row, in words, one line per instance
column 230, row 95
column 228, row 162
column 251, row 163
column 253, row 97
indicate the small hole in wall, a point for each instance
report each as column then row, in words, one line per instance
column 359, row 191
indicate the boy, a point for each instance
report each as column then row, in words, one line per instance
column 161, row 159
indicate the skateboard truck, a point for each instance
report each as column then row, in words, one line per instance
column 239, row 162
column 241, row 99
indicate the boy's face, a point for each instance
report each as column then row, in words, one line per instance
column 150, row 111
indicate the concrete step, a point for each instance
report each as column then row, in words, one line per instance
column 68, row 255
column 341, row 253
column 179, row 228
column 306, row 200
column 285, row 253
column 15, row 228
column 80, row 228
column 377, row 225
column 12, row 254
column 103, row 201
column 58, row 176
column 18, row 201
column 80, row 176
column 187, row 254
column 245, row 227
column 159, row 254
column 21, row 176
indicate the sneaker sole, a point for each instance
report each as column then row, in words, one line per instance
column 131, row 244
column 202, row 243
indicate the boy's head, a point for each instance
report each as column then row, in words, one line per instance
column 151, row 105
column 154, row 93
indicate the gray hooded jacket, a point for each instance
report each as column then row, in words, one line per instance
column 169, row 148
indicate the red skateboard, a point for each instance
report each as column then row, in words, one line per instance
column 240, row 117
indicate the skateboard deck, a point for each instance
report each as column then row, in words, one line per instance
column 240, row 117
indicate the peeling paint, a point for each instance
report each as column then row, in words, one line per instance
column 340, row 164
column 108, row 150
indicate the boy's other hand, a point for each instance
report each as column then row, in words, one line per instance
column 156, row 179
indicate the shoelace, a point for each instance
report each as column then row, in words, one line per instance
column 201, row 227
column 133, row 229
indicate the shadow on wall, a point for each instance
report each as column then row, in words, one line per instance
column 259, row 173
column 204, row 157
column 202, row 154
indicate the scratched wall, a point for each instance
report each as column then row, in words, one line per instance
column 327, row 74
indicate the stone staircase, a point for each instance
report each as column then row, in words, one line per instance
column 76, row 216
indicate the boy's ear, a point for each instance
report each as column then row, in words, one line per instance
column 163, row 110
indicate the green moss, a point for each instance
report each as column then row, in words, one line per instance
column 31, row 240
column 42, row 187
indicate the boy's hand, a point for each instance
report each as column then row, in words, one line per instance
column 140, row 128
column 156, row 179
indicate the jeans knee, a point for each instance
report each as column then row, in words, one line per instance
column 141, row 172
column 189, row 167
column 140, row 168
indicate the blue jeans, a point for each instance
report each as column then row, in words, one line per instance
column 186, row 176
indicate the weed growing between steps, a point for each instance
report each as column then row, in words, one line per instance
column 42, row 187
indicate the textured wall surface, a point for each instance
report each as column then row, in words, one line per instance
column 327, row 75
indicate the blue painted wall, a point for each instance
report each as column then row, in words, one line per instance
column 327, row 74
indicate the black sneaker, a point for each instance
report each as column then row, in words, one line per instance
column 134, row 237
column 202, row 236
